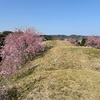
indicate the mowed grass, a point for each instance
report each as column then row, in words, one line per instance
column 63, row 72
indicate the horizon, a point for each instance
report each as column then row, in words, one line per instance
column 52, row 17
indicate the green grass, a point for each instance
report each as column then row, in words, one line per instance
column 63, row 72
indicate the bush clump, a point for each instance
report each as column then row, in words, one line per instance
column 20, row 47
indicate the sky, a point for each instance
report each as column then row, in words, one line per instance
column 81, row 17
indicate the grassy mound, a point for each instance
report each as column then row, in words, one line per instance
column 64, row 72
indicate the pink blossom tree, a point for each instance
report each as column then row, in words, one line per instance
column 20, row 47
column 93, row 41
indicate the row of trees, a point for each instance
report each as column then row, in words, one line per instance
column 92, row 41
column 76, row 42
column 19, row 47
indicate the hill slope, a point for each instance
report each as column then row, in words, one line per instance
column 64, row 72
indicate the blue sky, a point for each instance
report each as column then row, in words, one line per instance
column 52, row 16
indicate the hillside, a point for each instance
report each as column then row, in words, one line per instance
column 63, row 72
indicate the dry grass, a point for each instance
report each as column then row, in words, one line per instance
column 65, row 72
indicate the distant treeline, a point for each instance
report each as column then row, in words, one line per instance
column 62, row 37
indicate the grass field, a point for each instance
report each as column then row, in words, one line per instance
column 63, row 72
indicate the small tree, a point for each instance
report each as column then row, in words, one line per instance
column 2, row 37
column 20, row 47
column 6, row 32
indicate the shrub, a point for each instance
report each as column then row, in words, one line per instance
column 82, row 43
column 19, row 47
column 93, row 41
column 8, row 93
column 3, row 93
